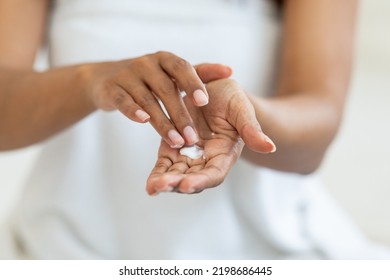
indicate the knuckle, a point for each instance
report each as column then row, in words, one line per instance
column 163, row 54
column 146, row 100
column 140, row 64
column 103, row 94
column 179, row 64
column 166, row 88
column 146, row 59
column 119, row 98
column 105, row 86
column 181, row 118
column 163, row 126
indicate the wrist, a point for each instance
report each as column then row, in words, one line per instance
column 84, row 74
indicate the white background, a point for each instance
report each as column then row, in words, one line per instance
column 357, row 168
column 281, row 270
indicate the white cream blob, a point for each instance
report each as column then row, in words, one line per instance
column 193, row 152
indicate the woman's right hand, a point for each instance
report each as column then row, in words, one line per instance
column 135, row 86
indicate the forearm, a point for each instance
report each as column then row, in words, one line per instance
column 314, row 72
column 302, row 127
column 34, row 106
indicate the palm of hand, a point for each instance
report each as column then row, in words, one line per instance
column 221, row 145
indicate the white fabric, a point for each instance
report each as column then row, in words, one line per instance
column 86, row 195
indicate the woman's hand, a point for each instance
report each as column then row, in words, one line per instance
column 224, row 125
column 135, row 87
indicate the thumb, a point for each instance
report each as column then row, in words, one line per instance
column 251, row 133
column 255, row 139
column 209, row 72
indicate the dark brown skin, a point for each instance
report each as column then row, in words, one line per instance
column 305, row 112
column 302, row 117
column 30, row 112
column 224, row 125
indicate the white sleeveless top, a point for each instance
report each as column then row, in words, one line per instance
column 86, row 196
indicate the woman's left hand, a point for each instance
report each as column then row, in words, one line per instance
column 224, row 125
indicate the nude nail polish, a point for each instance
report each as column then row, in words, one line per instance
column 200, row 97
column 269, row 141
column 190, row 135
column 176, row 139
column 142, row 115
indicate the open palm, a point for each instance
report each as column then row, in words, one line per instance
column 223, row 125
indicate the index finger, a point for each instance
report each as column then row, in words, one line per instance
column 185, row 76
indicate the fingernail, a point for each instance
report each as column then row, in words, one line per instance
column 269, row 141
column 190, row 135
column 176, row 139
column 142, row 115
column 200, row 97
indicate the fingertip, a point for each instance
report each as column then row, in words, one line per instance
column 187, row 190
column 186, row 185
column 270, row 143
column 265, row 144
column 194, row 184
column 166, row 189
column 200, row 97
column 190, row 135
column 211, row 72
column 142, row 116
column 151, row 191
column 175, row 138
column 167, row 182
column 227, row 71
column 149, row 187
column 257, row 141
